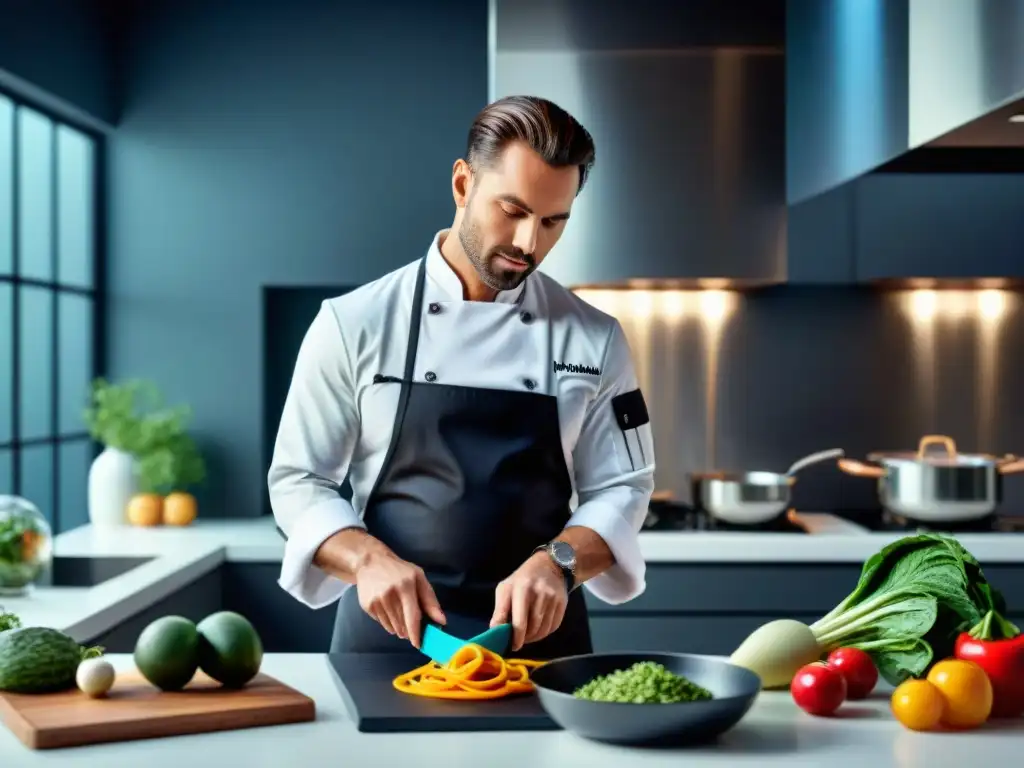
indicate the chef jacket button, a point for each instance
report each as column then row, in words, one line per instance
column 434, row 308
column 526, row 317
column 530, row 383
column 430, row 376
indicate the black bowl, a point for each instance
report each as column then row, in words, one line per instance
column 733, row 689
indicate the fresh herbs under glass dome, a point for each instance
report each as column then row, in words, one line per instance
column 26, row 545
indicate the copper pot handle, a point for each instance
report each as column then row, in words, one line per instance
column 943, row 440
column 1012, row 467
column 860, row 469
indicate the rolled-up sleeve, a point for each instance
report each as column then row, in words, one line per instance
column 315, row 441
column 614, row 470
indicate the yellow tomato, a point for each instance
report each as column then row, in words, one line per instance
column 179, row 508
column 918, row 705
column 967, row 691
column 145, row 509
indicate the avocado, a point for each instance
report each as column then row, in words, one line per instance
column 230, row 649
column 167, row 652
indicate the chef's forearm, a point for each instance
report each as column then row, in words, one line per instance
column 345, row 552
column 593, row 557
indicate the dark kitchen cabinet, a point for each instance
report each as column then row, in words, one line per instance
column 194, row 601
column 948, row 225
column 711, row 608
column 714, row 635
column 285, row 625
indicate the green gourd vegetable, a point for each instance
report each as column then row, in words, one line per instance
column 912, row 600
column 40, row 660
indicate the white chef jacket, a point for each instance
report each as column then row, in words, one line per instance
column 538, row 336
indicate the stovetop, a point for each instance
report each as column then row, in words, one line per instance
column 675, row 516
column 883, row 521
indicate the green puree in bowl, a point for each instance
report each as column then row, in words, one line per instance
column 646, row 682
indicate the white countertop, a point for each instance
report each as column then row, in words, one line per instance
column 182, row 555
column 773, row 733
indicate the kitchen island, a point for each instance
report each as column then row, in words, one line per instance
column 774, row 732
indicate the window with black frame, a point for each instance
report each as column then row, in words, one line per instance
column 49, row 308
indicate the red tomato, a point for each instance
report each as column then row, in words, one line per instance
column 818, row 689
column 857, row 668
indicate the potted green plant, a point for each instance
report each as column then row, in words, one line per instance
column 169, row 464
column 146, row 452
column 113, row 421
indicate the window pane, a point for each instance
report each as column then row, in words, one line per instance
column 6, row 360
column 75, row 370
column 35, row 157
column 6, row 473
column 35, row 380
column 37, row 477
column 75, row 163
column 6, row 184
column 75, row 458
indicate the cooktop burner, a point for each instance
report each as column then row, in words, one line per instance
column 883, row 521
column 674, row 516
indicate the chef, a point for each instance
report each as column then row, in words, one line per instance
column 490, row 422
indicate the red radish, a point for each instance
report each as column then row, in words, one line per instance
column 818, row 689
column 857, row 668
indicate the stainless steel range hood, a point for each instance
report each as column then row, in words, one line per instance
column 686, row 102
column 869, row 81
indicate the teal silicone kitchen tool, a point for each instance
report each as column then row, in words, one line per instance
column 495, row 639
column 440, row 646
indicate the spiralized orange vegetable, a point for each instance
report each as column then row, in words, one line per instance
column 473, row 673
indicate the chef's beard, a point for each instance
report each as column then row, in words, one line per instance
column 486, row 264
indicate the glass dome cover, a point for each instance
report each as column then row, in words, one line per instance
column 26, row 545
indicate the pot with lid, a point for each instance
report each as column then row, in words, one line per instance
column 937, row 487
column 750, row 498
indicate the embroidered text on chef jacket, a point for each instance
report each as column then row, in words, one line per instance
column 337, row 421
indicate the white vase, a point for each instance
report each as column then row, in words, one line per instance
column 112, row 484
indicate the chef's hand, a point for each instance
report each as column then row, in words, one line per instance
column 396, row 593
column 535, row 597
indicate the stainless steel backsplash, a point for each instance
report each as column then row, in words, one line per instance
column 756, row 380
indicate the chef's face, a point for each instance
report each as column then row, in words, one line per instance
column 513, row 213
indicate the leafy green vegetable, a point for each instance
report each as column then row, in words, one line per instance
column 8, row 620
column 912, row 600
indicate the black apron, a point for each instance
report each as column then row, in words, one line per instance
column 473, row 481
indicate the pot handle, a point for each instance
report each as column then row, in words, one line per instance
column 1012, row 467
column 946, row 442
column 814, row 458
column 860, row 469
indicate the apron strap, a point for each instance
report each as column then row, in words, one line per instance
column 410, row 367
column 414, row 323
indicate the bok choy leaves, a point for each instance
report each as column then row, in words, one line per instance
column 912, row 599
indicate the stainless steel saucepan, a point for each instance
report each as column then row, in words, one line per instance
column 937, row 487
column 749, row 498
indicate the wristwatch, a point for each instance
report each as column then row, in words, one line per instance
column 564, row 556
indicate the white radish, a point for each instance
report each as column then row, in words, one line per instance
column 775, row 651
column 95, row 677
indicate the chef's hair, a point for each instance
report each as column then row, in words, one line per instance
column 544, row 126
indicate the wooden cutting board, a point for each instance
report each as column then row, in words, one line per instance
column 134, row 709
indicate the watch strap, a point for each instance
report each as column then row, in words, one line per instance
column 567, row 573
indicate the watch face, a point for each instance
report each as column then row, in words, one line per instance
column 563, row 554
